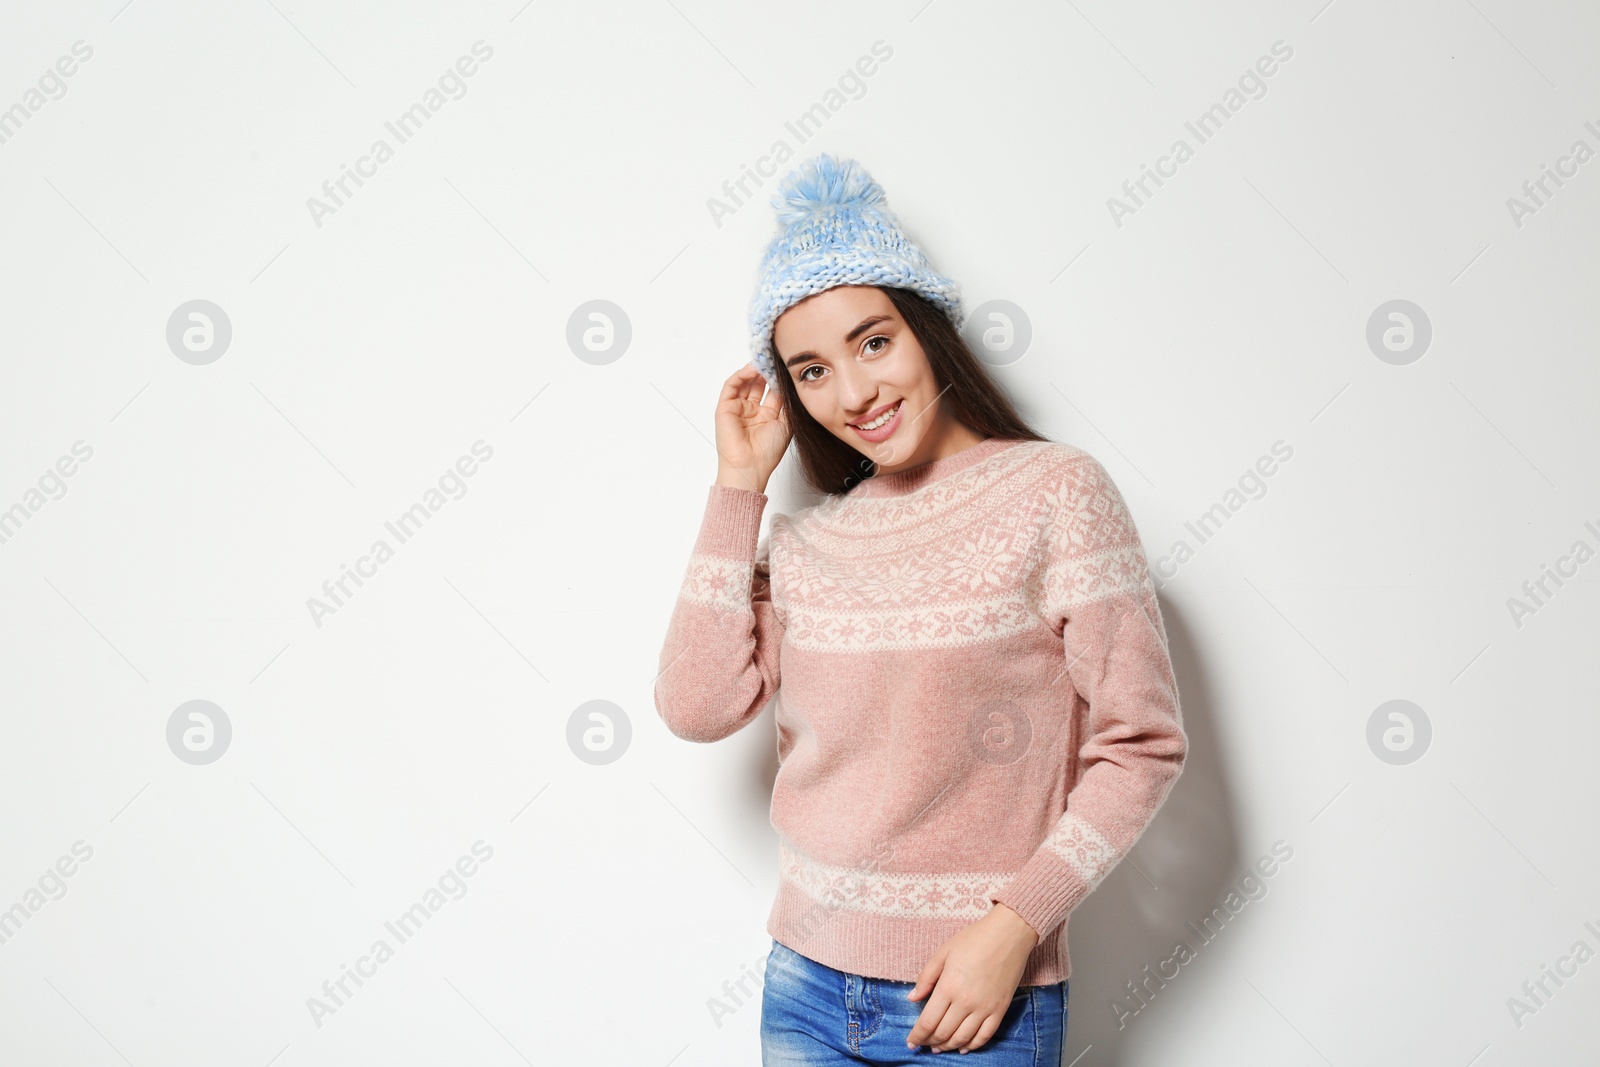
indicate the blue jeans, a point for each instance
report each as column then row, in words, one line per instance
column 813, row 1015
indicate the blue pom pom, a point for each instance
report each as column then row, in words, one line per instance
column 822, row 182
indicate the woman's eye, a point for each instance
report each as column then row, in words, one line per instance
column 878, row 337
column 807, row 371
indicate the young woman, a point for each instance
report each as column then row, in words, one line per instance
column 978, row 716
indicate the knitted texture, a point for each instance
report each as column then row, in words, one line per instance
column 975, row 702
column 835, row 228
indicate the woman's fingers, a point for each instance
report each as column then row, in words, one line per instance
column 734, row 401
column 934, row 1014
column 737, row 386
column 965, row 1032
column 986, row 1031
column 744, row 431
column 942, row 1034
column 752, row 422
column 742, row 396
column 774, row 407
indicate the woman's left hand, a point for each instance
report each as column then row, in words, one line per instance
column 972, row 978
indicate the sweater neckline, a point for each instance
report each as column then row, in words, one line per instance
column 923, row 475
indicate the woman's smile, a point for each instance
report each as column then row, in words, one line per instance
column 882, row 424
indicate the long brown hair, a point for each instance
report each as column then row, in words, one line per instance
column 973, row 398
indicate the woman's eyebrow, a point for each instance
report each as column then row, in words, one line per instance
column 859, row 329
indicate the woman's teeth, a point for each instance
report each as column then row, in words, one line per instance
column 881, row 419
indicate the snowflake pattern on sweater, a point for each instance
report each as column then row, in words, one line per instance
column 997, row 593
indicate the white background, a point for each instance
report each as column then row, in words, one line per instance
column 430, row 311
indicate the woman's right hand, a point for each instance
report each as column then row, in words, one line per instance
column 752, row 434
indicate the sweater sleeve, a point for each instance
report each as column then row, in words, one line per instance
column 1097, row 591
column 719, row 663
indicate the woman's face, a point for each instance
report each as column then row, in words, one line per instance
column 853, row 359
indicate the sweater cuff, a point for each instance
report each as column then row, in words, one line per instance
column 731, row 526
column 1064, row 870
column 1044, row 892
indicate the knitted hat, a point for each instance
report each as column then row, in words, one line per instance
column 835, row 228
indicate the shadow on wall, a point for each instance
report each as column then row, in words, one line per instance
column 1191, row 854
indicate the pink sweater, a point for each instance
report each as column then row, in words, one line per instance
column 977, row 703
